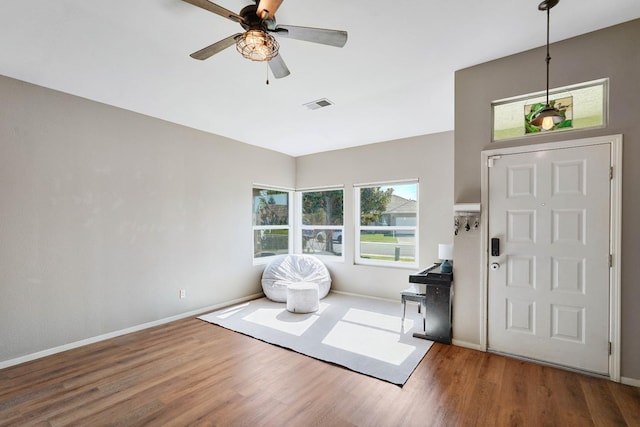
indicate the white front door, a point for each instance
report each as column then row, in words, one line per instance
column 548, row 286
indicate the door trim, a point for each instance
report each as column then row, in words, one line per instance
column 615, row 143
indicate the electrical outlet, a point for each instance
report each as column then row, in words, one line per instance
column 183, row 293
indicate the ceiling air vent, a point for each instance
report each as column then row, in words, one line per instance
column 324, row 102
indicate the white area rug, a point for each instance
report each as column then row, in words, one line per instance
column 362, row 334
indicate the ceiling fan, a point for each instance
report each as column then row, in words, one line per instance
column 257, row 43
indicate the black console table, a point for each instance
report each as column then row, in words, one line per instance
column 438, row 310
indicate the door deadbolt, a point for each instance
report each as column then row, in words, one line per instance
column 495, row 246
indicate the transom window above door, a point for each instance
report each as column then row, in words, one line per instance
column 584, row 105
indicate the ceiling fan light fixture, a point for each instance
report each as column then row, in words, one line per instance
column 258, row 21
column 257, row 45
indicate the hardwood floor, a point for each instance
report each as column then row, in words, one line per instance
column 193, row 373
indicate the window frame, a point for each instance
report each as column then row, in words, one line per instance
column 289, row 227
column 358, row 228
column 300, row 227
column 555, row 93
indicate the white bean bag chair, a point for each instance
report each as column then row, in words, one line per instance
column 294, row 268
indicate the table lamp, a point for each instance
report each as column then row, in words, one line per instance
column 445, row 252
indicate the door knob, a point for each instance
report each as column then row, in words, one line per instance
column 494, row 266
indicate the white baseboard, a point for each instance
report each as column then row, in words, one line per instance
column 630, row 381
column 92, row 340
column 467, row 344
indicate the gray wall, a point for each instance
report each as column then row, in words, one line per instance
column 612, row 53
column 427, row 158
column 105, row 214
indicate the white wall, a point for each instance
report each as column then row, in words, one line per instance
column 429, row 159
column 105, row 214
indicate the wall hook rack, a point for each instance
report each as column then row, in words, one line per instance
column 466, row 215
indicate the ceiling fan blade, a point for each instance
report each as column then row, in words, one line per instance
column 336, row 38
column 268, row 6
column 218, row 10
column 217, row 47
column 278, row 67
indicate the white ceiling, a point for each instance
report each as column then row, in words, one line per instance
column 393, row 79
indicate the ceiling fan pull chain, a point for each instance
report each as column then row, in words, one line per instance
column 267, row 71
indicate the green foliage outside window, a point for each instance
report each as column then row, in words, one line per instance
column 322, row 222
column 270, row 222
column 271, row 207
column 373, row 203
column 322, row 207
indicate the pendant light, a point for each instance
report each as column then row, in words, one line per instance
column 549, row 116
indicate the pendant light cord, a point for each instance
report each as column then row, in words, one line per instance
column 548, row 59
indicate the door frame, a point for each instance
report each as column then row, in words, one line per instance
column 615, row 214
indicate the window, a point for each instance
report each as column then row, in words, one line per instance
column 387, row 224
column 322, row 222
column 271, row 231
column 584, row 106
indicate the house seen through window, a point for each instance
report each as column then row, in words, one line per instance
column 386, row 230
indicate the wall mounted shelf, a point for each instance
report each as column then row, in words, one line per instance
column 466, row 216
